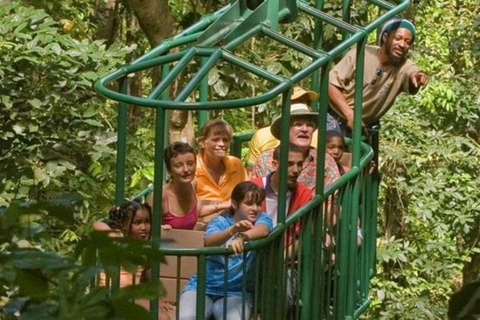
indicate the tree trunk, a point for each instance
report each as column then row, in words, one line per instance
column 157, row 23
column 107, row 15
column 154, row 18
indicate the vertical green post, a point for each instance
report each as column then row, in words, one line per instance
column 284, row 138
column 121, row 145
column 121, row 160
column 201, row 285
column 346, row 13
column 203, row 96
column 317, row 45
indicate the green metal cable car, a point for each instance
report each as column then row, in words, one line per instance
column 330, row 282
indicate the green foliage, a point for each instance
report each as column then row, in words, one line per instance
column 56, row 132
column 38, row 284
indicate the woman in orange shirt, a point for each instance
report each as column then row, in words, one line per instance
column 217, row 172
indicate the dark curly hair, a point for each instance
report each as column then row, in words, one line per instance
column 118, row 216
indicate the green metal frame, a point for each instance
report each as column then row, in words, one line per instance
column 332, row 280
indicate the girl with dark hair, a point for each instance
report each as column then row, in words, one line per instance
column 335, row 148
column 179, row 201
column 242, row 222
column 132, row 220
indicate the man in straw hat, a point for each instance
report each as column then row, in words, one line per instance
column 303, row 123
column 387, row 73
column 263, row 139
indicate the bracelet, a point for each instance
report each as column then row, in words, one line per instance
column 215, row 205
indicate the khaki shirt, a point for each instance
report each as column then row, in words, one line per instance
column 379, row 92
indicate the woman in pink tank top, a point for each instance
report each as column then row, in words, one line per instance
column 179, row 202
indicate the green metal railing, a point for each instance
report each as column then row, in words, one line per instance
column 328, row 276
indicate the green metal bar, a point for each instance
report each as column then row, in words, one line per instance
column 346, row 13
column 292, row 43
column 201, row 285
column 352, row 248
column 322, row 129
column 166, row 125
column 253, row 69
column 210, row 105
column 238, row 140
column 284, row 139
column 199, row 76
column 342, row 263
column 317, row 45
column 157, row 199
column 121, row 145
column 238, row 41
column 131, row 68
column 344, row 26
column 181, row 64
column 306, row 279
column 203, row 96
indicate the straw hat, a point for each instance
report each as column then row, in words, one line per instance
column 296, row 110
column 299, row 91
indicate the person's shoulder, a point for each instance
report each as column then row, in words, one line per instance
column 264, row 219
column 224, row 218
column 232, row 163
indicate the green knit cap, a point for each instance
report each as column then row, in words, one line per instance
column 394, row 24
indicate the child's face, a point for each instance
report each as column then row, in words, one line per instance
column 247, row 209
column 182, row 167
column 335, row 148
column 140, row 226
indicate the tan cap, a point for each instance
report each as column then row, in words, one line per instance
column 299, row 91
column 296, row 109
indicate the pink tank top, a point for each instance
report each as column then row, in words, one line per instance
column 187, row 221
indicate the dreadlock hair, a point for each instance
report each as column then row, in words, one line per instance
column 118, row 216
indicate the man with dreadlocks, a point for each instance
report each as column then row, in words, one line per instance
column 387, row 73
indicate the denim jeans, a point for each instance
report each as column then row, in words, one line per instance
column 213, row 306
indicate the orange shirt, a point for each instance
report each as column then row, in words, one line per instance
column 208, row 189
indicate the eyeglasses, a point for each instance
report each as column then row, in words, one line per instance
column 300, row 123
column 378, row 74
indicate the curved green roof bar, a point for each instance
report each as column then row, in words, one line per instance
column 213, row 39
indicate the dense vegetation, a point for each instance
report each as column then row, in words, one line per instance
column 57, row 142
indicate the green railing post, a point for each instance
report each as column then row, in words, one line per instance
column 203, row 96
column 157, row 199
column 121, row 145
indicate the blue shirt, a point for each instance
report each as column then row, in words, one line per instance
column 215, row 267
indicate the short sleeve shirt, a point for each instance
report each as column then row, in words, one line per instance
column 208, row 189
column 263, row 140
column 215, row 269
column 264, row 166
column 381, row 85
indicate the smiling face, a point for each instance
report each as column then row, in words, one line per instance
column 248, row 208
column 397, row 43
column 182, row 167
column 335, row 148
column 215, row 145
column 139, row 226
column 301, row 131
